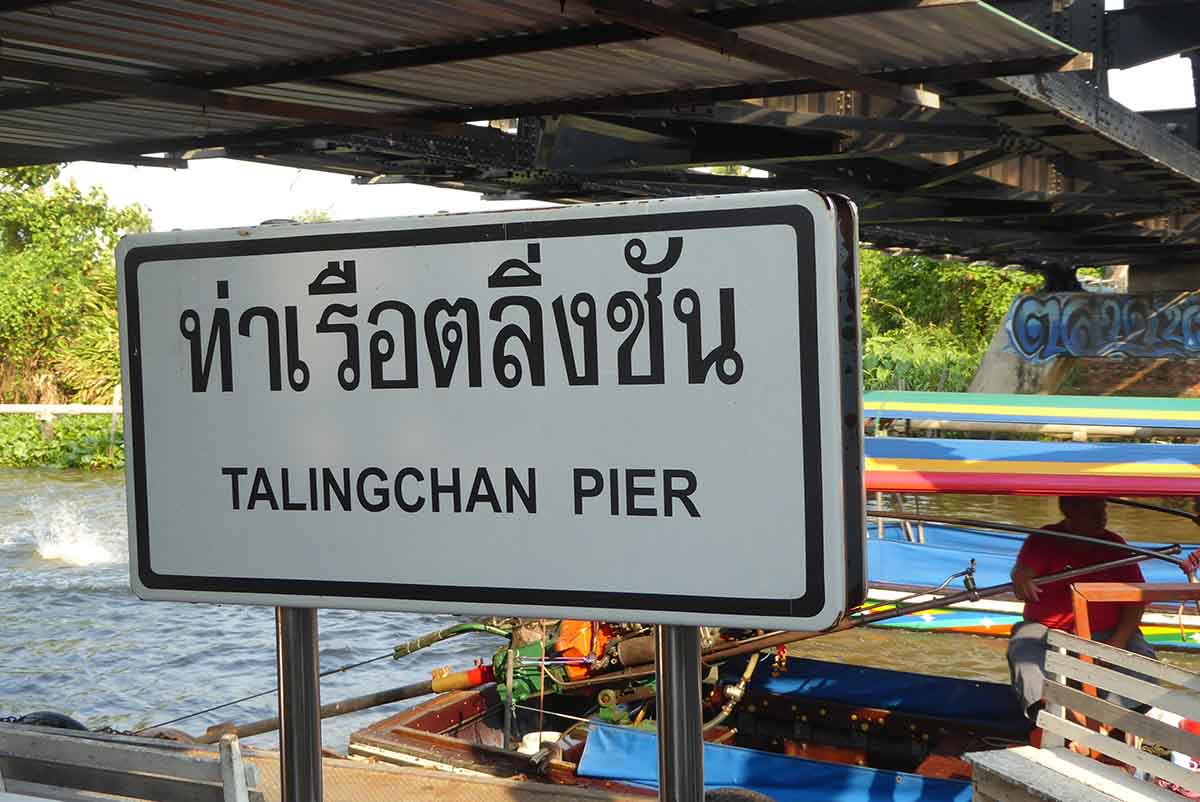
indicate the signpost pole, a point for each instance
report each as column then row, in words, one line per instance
column 680, row 738
column 299, row 704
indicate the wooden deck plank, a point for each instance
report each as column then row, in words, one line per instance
column 63, row 746
column 1093, row 780
column 1119, row 750
column 362, row 781
column 1185, row 703
column 1143, row 665
column 1013, row 775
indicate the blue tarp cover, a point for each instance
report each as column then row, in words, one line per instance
column 631, row 756
column 946, row 550
column 963, row 700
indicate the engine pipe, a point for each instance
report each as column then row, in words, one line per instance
column 458, row 681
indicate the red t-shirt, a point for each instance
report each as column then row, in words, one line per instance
column 1044, row 555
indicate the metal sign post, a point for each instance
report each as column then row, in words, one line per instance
column 299, row 704
column 680, row 737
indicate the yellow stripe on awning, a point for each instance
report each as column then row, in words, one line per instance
column 1082, row 413
column 1182, row 470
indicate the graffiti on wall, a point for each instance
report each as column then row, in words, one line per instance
column 1043, row 326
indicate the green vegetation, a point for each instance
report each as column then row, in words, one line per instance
column 926, row 324
column 58, row 296
column 58, row 316
column 72, row 441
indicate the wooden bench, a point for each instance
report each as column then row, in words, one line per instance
column 50, row 763
column 1056, row 773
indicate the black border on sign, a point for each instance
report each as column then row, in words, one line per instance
column 850, row 365
column 797, row 217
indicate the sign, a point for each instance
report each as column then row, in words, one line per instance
column 643, row 411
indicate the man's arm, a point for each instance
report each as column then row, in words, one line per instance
column 1127, row 624
column 1022, row 579
column 1131, row 614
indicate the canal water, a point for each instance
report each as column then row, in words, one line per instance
column 73, row 639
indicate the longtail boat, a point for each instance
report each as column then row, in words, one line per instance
column 1122, row 415
column 1026, row 467
column 580, row 700
column 900, row 566
column 792, row 729
column 902, row 562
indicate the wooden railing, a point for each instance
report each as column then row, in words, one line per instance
column 1155, row 690
column 54, row 410
column 1077, row 668
column 39, row 762
column 1125, row 592
column 51, row 411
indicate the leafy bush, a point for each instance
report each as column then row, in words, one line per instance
column 58, row 288
column 73, row 441
column 967, row 300
column 927, row 324
column 917, row 359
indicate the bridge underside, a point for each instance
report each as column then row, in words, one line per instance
column 982, row 131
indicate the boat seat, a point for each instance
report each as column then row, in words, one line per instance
column 50, row 763
column 990, row 705
column 1053, row 772
column 1029, row 774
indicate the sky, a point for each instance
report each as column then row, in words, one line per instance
column 216, row 193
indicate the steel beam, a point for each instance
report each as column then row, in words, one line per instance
column 965, row 167
column 752, row 114
column 501, row 151
column 1183, row 123
column 1078, row 100
column 112, row 85
column 1145, row 33
column 909, row 211
column 1047, row 235
column 1194, row 57
column 10, row 157
column 756, row 89
column 34, row 154
column 52, row 96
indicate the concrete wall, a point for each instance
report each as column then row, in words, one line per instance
column 1002, row 371
column 1177, row 278
column 1170, row 378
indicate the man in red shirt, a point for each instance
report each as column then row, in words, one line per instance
column 1049, row 606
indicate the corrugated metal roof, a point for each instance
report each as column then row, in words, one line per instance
column 207, row 34
column 164, row 37
column 651, row 66
column 114, row 121
column 887, row 40
column 302, row 82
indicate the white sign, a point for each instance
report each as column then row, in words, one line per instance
column 644, row 411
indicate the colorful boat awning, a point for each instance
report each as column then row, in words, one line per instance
column 1165, row 413
column 922, row 465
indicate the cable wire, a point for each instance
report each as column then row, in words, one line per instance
column 263, row 693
